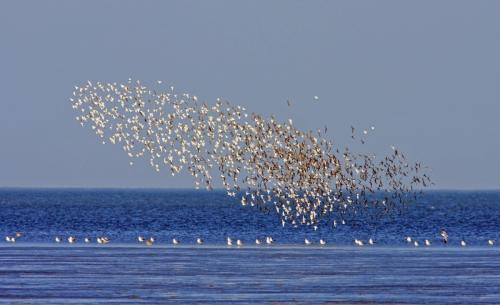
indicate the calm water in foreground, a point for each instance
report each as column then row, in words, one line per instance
column 35, row 270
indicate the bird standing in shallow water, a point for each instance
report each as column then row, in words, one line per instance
column 444, row 236
column 269, row 240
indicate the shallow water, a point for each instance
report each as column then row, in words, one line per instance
column 123, row 274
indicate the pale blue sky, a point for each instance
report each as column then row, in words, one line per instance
column 425, row 73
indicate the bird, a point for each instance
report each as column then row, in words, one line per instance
column 444, row 236
column 87, row 240
column 150, row 241
column 57, row 239
column 427, row 243
column 175, row 241
column 10, row 239
column 199, row 241
column 229, row 241
column 307, row 241
column 463, row 243
column 71, row 239
column 415, row 243
column 257, row 242
column 140, row 239
column 408, row 239
column 316, row 98
column 371, row 242
column 239, row 243
column 18, row 234
column 322, row 242
column 358, row 242
column 491, row 242
column 102, row 240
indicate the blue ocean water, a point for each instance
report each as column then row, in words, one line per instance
column 122, row 215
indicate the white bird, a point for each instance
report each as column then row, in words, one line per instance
column 140, row 239
column 99, row 240
column 71, row 239
column 307, row 241
column 87, row 240
column 491, row 242
column 462, row 243
column 257, row 242
column 427, row 243
column 229, row 241
column 408, row 239
column 7, row 239
column 269, row 240
column 316, row 97
column 58, row 240
column 371, row 242
column 239, row 243
column 175, row 241
column 415, row 243
column 359, row 242
column 199, row 241
column 322, row 242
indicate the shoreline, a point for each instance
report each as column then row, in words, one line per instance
column 252, row 246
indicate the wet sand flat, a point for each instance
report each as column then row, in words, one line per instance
column 126, row 274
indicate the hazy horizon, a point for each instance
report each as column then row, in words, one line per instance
column 425, row 74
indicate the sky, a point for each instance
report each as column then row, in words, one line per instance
column 426, row 74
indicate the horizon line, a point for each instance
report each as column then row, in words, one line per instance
column 204, row 190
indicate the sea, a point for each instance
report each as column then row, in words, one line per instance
column 36, row 270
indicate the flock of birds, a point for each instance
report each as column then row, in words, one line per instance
column 266, row 163
column 239, row 242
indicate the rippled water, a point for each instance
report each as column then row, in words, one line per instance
column 64, row 274
column 123, row 214
column 35, row 270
